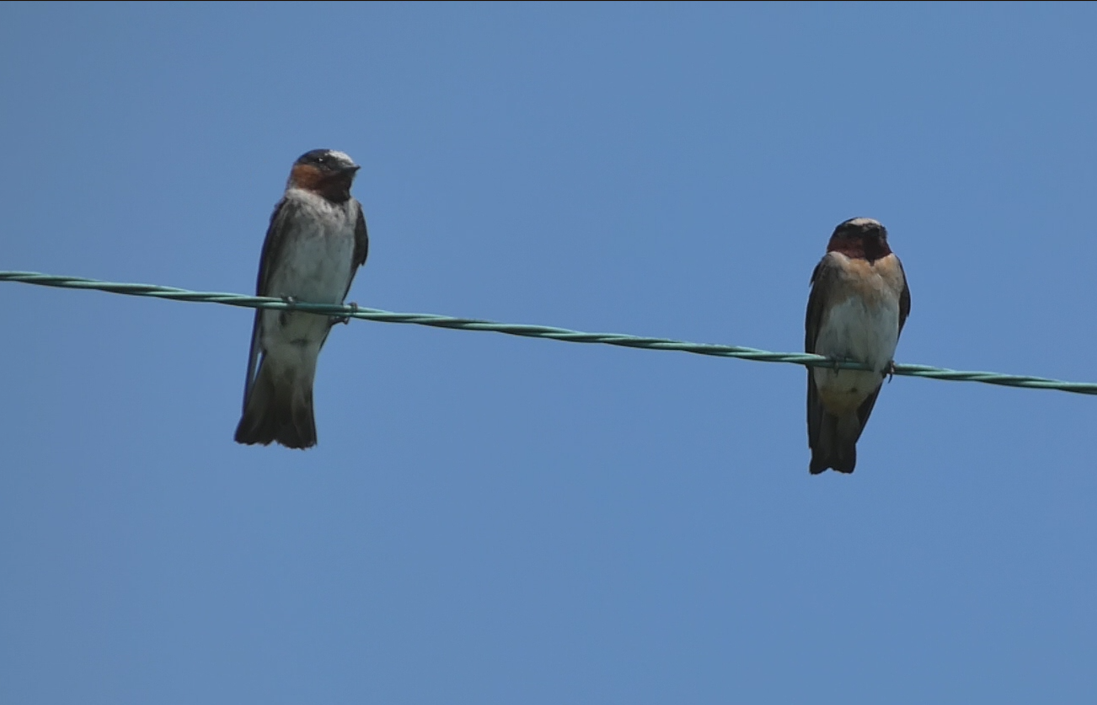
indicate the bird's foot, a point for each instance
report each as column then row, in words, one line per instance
column 289, row 301
column 346, row 319
column 889, row 371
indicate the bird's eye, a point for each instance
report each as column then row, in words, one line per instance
column 321, row 160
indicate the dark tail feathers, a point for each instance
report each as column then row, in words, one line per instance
column 278, row 410
column 836, row 445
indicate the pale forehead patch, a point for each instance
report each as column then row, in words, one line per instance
column 341, row 156
column 863, row 221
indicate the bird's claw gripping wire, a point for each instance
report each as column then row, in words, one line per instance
column 289, row 301
column 346, row 319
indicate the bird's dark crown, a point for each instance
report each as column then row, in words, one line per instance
column 327, row 160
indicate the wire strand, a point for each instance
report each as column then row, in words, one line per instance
column 531, row 331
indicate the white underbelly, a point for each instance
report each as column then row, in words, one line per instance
column 315, row 269
column 855, row 331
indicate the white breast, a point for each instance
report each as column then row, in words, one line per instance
column 855, row 330
column 316, row 261
column 315, row 265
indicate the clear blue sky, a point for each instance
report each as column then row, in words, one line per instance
column 499, row 520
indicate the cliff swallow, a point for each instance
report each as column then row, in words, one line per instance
column 859, row 302
column 315, row 243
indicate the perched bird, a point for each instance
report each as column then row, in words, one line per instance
column 315, row 243
column 859, row 302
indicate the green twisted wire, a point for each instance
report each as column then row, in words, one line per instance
column 530, row 331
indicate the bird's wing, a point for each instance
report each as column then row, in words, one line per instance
column 361, row 247
column 904, row 299
column 272, row 250
column 822, row 282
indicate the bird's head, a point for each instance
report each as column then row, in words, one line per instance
column 862, row 238
column 325, row 172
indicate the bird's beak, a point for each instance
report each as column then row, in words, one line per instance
column 350, row 169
